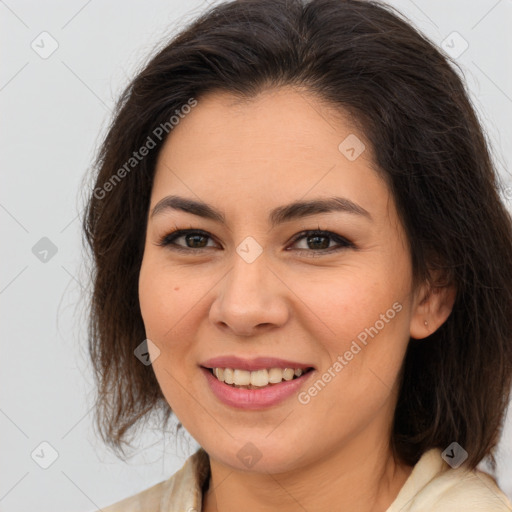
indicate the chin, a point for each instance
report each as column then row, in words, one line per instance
column 256, row 456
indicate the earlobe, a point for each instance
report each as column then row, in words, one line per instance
column 433, row 308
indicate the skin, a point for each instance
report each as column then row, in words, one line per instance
column 305, row 304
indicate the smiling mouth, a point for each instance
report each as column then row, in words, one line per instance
column 257, row 379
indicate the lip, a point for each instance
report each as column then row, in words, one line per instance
column 259, row 363
column 253, row 399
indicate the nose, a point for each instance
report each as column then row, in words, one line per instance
column 251, row 299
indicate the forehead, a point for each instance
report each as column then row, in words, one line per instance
column 270, row 118
column 282, row 145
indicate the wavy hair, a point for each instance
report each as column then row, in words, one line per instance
column 366, row 59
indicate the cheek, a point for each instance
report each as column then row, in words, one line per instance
column 355, row 301
column 368, row 327
column 171, row 308
column 150, row 299
column 161, row 300
column 163, row 293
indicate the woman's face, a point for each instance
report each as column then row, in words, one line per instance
column 252, row 287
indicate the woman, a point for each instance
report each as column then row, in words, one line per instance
column 296, row 221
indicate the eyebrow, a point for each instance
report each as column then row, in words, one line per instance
column 279, row 215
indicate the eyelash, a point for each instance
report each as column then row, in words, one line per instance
column 168, row 241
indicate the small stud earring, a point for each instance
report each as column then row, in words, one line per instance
column 426, row 323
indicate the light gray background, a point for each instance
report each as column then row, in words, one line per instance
column 54, row 113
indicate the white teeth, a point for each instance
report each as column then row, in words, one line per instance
column 257, row 378
column 228, row 376
column 288, row 374
column 275, row 375
column 242, row 377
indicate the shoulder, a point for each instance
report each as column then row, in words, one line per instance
column 181, row 491
column 468, row 491
column 435, row 486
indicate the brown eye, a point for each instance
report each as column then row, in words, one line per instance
column 320, row 241
column 317, row 242
column 194, row 239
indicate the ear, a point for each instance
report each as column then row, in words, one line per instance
column 432, row 306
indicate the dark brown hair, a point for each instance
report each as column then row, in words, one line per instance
column 363, row 58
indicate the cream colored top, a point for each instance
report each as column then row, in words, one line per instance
column 432, row 486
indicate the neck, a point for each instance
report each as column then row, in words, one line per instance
column 362, row 477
